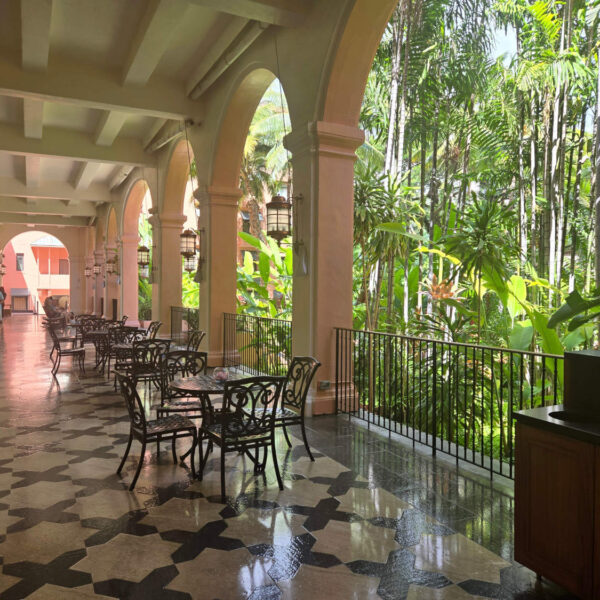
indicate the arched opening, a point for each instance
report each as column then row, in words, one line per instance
column 37, row 273
column 136, row 290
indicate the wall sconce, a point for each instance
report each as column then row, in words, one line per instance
column 112, row 266
column 97, row 269
column 190, row 263
column 187, row 243
column 279, row 218
column 2, row 269
column 87, row 272
column 143, row 259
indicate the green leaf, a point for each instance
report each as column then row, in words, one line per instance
column 264, row 267
column 573, row 306
column 400, row 229
column 521, row 335
column 551, row 343
column 248, row 263
column 250, row 239
column 517, row 294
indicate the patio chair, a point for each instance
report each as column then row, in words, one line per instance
column 247, row 423
column 170, row 428
column 146, row 361
column 195, row 336
column 124, row 357
column 293, row 399
column 58, row 351
column 153, row 329
column 180, row 363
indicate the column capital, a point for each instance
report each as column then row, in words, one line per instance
column 130, row 239
column 169, row 220
column 222, row 196
column 329, row 139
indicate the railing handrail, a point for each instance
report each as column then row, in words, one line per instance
column 256, row 317
column 460, row 344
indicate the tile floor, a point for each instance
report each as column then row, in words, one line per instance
column 370, row 518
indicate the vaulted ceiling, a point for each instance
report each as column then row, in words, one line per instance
column 88, row 88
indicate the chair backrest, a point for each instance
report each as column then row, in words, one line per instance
column 53, row 336
column 148, row 354
column 153, row 329
column 116, row 335
column 124, row 319
column 298, row 379
column 135, row 408
column 195, row 336
column 252, row 403
column 181, row 363
column 131, row 335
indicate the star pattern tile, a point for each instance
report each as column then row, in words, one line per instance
column 344, row 526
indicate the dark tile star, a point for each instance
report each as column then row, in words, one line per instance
column 325, row 511
column 30, row 517
column 194, row 542
column 287, row 558
column 82, row 455
column 110, row 528
column 31, row 477
column 96, row 430
column 411, row 526
column 265, row 592
column 152, row 586
column 340, row 485
column 35, row 575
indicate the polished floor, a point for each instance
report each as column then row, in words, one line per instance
column 370, row 518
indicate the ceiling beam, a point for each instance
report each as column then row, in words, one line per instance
column 48, row 207
column 43, row 220
column 56, row 190
column 85, row 175
column 92, row 87
column 118, row 176
column 288, row 13
column 32, row 171
column 33, row 118
column 109, row 127
column 76, row 145
column 36, row 16
column 225, row 39
column 152, row 38
column 243, row 42
column 152, row 131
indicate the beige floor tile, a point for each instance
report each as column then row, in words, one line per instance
column 177, row 513
column 321, row 467
column 40, row 461
column 256, row 526
column 41, row 494
column 45, row 541
column 369, row 503
column 127, row 557
column 458, row 558
column 355, row 541
column 7, row 581
column 107, row 503
column 97, row 468
column 54, row 592
column 225, row 575
column 301, row 492
column 314, row 583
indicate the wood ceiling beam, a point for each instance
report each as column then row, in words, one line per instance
column 6, row 218
column 288, row 13
column 56, row 190
column 48, row 207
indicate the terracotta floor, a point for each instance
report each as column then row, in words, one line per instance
column 370, row 518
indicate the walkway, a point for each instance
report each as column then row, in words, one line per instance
column 371, row 518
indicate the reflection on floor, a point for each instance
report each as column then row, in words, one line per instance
column 370, row 518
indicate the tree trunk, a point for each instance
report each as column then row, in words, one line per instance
column 397, row 29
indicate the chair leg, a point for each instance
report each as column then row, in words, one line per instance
column 194, row 444
column 203, row 457
column 223, row 497
column 306, row 440
column 279, row 481
column 56, row 363
column 126, row 453
column 285, row 433
column 173, row 449
column 139, row 467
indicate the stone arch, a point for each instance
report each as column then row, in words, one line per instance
column 112, row 291
column 351, row 60
column 129, row 243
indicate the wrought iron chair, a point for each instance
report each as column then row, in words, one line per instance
column 293, row 399
column 146, row 361
column 195, row 336
column 180, row 363
column 124, row 356
column 58, row 325
column 124, row 320
column 58, row 351
column 170, row 428
column 247, row 423
column 153, row 329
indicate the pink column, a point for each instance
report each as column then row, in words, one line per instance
column 76, row 284
column 218, row 218
column 111, row 290
column 166, row 230
column 129, row 276
column 323, row 162
column 99, row 259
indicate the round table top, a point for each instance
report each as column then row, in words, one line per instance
column 197, row 384
column 97, row 332
column 123, row 346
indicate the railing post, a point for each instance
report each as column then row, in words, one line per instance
column 434, row 398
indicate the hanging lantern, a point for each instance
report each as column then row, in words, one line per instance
column 143, row 256
column 87, row 272
column 109, row 267
column 187, row 243
column 97, row 269
column 190, row 263
column 145, row 271
column 2, row 269
column 279, row 218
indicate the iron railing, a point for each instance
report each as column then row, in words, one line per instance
column 257, row 345
column 455, row 398
column 182, row 320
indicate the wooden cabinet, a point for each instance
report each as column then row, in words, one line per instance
column 557, row 493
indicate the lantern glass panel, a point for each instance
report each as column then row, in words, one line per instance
column 190, row 263
column 143, row 255
column 97, row 269
column 187, row 243
column 144, row 271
